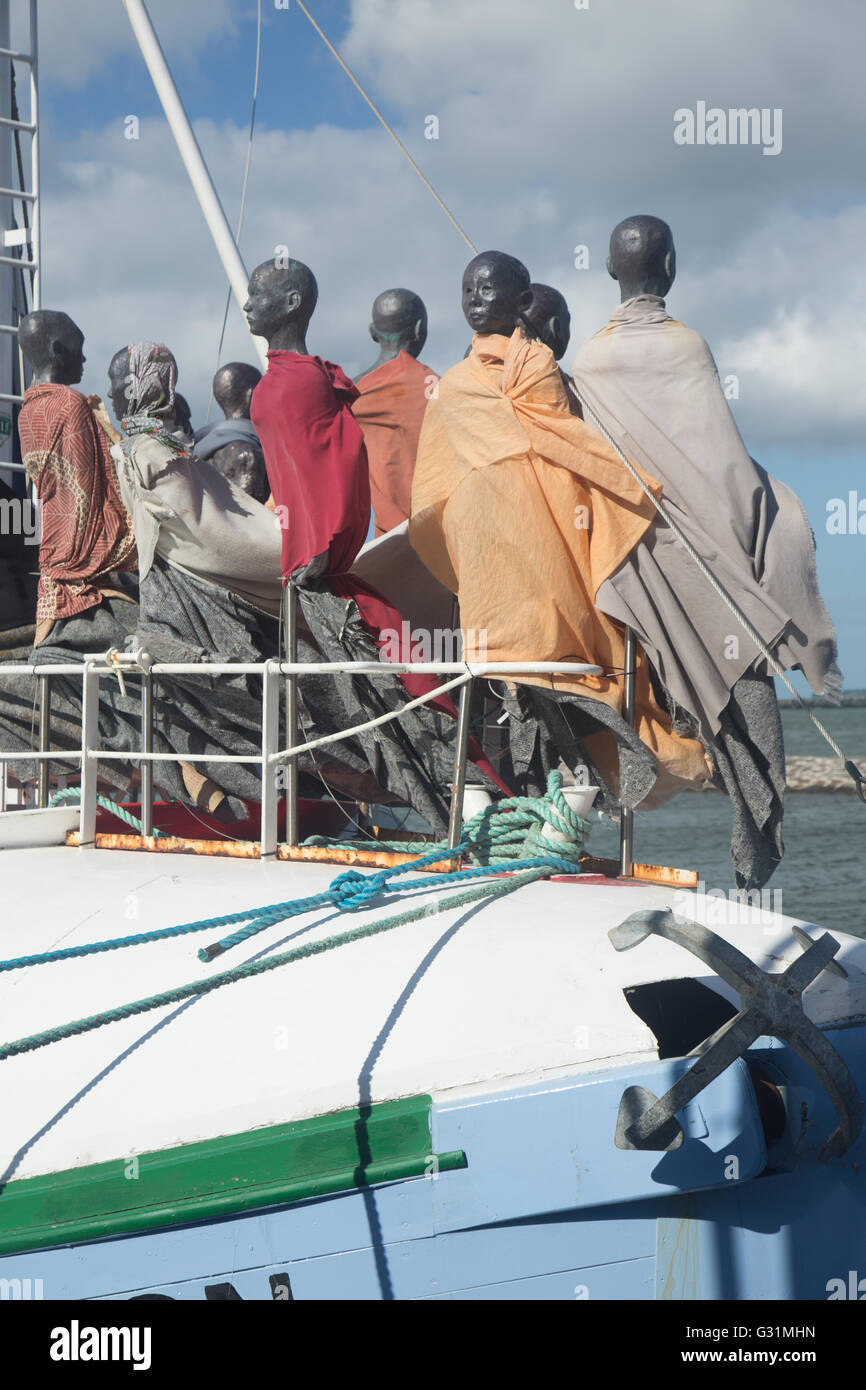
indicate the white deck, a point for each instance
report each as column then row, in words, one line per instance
column 492, row 996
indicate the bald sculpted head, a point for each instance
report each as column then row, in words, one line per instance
column 53, row 345
column 233, row 387
column 496, row 292
column 549, row 315
column 399, row 322
column 642, row 256
column 281, row 298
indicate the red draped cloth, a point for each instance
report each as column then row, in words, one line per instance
column 318, row 472
column 317, row 468
column 86, row 531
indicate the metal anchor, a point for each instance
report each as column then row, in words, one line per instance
column 771, row 1004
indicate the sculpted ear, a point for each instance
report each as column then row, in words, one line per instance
column 524, row 300
column 420, row 328
column 671, row 265
column 610, row 270
column 373, row 334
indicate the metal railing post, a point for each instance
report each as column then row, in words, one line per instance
column 42, row 796
column 626, row 816
column 146, row 747
column 290, row 594
column 89, row 765
column 455, row 820
column 270, row 744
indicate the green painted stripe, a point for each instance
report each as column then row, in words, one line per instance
column 221, row 1177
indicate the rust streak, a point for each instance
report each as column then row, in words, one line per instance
column 250, row 849
column 643, row 873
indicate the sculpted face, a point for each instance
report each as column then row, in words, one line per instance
column 280, row 300
column 267, row 305
column 495, row 293
column 118, row 372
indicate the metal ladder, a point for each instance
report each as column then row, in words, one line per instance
column 21, row 246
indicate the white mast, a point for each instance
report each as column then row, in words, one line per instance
column 191, row 155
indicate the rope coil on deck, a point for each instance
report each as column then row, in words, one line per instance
column 508, row 829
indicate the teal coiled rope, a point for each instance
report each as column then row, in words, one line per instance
column 509, row 829
column 345, row 893
column 504, row 847
column 259, row 967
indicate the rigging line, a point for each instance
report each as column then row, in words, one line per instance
column 393, row 134
column 243, row 190
column 779, row 670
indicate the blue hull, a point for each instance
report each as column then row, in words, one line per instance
column 547, row 1208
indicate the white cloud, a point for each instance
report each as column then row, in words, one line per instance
column 80, row 40
column 553, row 126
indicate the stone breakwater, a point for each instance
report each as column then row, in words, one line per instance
column 803, row 774
column 807, row 774
column 813, row 774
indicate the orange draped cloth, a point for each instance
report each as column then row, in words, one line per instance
column 390, row 411
column 523, row 511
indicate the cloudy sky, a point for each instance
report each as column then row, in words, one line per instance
column 553, row 123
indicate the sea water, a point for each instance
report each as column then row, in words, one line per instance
column 822, row 877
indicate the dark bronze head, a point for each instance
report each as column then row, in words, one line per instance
column 118, row 378
column 53, row 345
column 399, row 322
column 642, row 257
column 496, row 292
column 182, row 413
column 233, row 387
column 281, row 298
column 548, row 313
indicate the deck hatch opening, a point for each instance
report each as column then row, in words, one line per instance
column 680, row 1013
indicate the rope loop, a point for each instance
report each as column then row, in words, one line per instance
column 351, row 891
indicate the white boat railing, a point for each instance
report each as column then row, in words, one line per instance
column 97, row 666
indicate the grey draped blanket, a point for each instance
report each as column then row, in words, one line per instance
column 108, row 624
column 210, row 438
column 654, row 385
column 546, row 727
column 407, row 760
column 183, row 619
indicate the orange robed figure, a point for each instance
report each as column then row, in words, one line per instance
column 523, row 510
column 394, row 396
